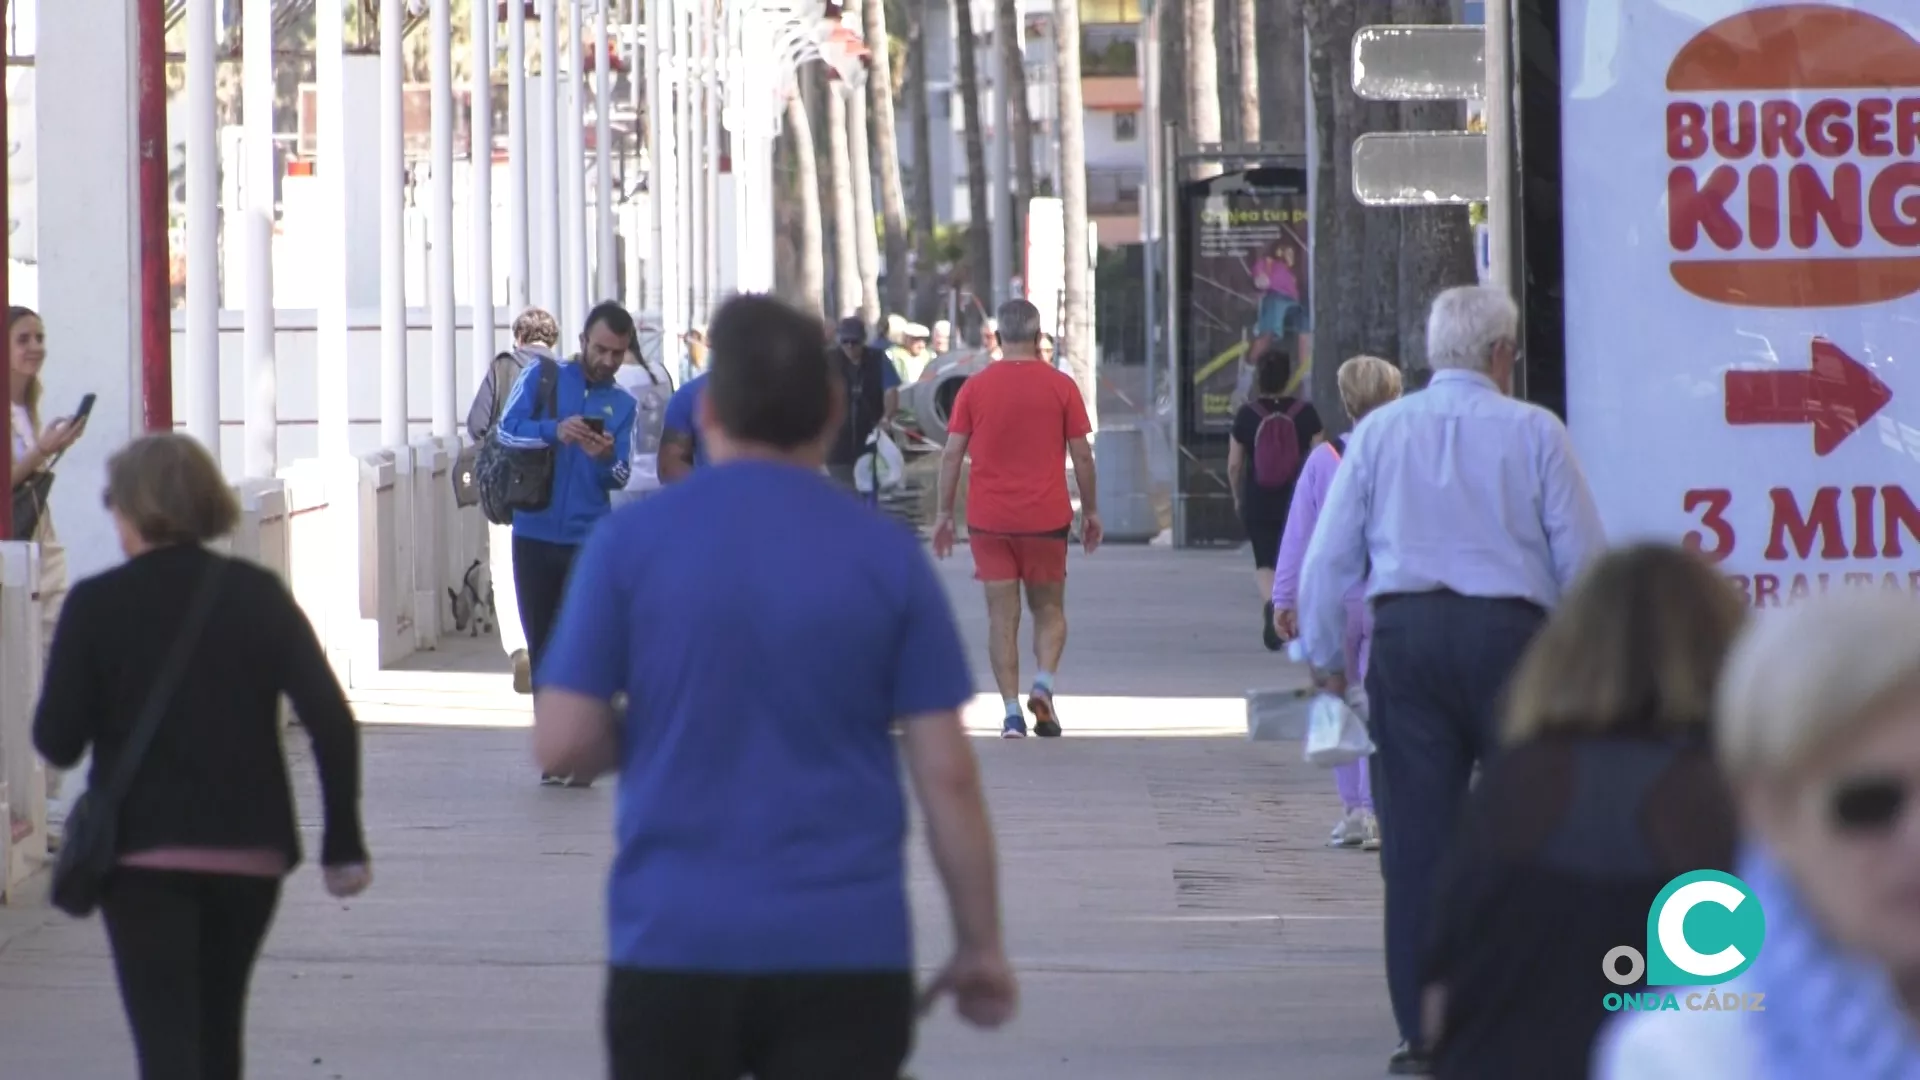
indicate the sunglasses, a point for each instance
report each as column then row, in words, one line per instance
column 1867, row 804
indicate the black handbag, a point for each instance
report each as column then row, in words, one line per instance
column 90, row 848
column 30, row 504
column 514, row 478
column 466, row 467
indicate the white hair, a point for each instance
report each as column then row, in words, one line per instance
column 1465, row 325
column 1805, row 679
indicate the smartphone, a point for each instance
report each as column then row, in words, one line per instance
column 86, row 406
column 598, row 425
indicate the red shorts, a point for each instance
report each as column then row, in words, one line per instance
column 1033, row 559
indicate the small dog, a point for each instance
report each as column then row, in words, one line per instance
column 472, row 612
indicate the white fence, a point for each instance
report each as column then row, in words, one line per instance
column 371, row 547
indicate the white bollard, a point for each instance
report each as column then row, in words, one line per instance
column 23, row 828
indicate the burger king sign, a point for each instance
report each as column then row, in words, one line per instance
column 1742, row 242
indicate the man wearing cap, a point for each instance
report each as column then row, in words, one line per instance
column 873, row 395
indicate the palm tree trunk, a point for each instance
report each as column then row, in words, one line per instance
column 1202, row 80
column 928, row 278
column 886, row 148
column 847, row 271
column 813, row 272
column 1020, row 116
column 979, row 240
column 1247, row 53
column 1077, row 329
column 1283, row 75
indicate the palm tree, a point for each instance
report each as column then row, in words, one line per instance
column 813, row 274
column 1247, row 60
column 926, row 241
column 886, row 148
column 866, row 239
column 1077, row 330
column 846, row 246
column 979, row 240
column 1019, row 115
column 1202, row 79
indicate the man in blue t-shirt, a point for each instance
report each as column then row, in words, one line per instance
column 682, row 450
column 757, row 906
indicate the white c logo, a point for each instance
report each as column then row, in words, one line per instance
column 1673, row 936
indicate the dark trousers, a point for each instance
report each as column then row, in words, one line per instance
column 540, row 572
column 1435, row 680
column 184, row 946
column 664, row 1025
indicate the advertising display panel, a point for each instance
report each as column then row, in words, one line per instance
column 1740, row 216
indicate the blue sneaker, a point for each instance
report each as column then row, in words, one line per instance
column 1016, row 728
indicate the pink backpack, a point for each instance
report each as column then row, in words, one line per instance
column 1276, row 446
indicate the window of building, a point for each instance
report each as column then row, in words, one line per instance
column 1126, row 126
column 1109, row 49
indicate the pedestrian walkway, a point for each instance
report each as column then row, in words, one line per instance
column 1169, row 905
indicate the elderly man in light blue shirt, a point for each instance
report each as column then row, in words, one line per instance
column 1467, row 516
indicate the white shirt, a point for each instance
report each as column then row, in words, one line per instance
column 1457, row 487
column 22, row 426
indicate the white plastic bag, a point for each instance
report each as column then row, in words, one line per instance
column 1277, row 715
column 1335, row 733
column 893, row 464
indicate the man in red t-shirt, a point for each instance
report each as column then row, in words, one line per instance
column 1019, row 420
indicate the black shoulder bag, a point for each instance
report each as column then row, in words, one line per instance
column 520, row 478
column 466, row 468
column 30, row 500
column 91, row 845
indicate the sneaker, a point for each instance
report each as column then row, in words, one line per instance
column 1349, row 831
column 1369, row 831
column 522, row 672
column 552, row 780
column 1045, row 723
column 1268, row 635
column 1406, row 1061
column 1015, row 728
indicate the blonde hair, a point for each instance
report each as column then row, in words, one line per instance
column 1636, row 648
column 536, row 326
column 31, row 399
column 1807, row 677
column 169, row 489
column 1366, row 383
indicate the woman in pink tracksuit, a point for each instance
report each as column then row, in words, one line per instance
column 1366, row 383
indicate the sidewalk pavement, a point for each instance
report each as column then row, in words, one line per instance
column 1170, row 907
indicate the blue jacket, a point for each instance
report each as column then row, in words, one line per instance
column 581, row 484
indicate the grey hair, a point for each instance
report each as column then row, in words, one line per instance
column 1466, row 323
column 1806, row 679
column 1019, row 323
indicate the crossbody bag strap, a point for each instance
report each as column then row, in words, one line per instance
column 168, row 682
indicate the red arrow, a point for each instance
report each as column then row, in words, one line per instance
column 1837, row 395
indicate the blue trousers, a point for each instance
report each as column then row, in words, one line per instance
column 1435, row 680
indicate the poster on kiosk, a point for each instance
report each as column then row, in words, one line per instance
column 1741, row 228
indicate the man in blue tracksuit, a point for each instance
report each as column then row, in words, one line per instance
column 591, row 428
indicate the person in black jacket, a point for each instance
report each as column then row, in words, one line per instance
column 1606, row 791
column 206, row 831
column 873, row 396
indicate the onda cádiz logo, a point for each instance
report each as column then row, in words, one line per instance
column 1704, row 928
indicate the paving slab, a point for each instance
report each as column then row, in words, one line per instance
column 1170, row 907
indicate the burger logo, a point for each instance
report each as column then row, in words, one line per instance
column 1794, row 134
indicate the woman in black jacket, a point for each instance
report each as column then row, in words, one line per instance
column 1606, row 791
column 207, row 829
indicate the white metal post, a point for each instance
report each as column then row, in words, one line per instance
column 262, row 407
column 547, row 230
column 480, row 188
column 520, row 283
column 606, row 247
column 666, row 182
column 717, row 53
column 393, row 227
column 687, row 159
column 651, row 296
column 445, row 375
column 202, row 398
column 574, row 175
column 330, row 116
column 1498, row 112
column 998, row 153
column 697, row 163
